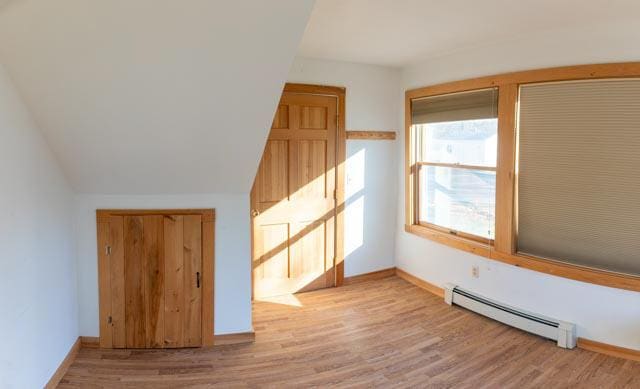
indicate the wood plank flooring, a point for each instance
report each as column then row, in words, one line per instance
column 383, row 333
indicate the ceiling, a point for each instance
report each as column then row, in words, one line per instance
column 153, row 96
column 402, row 32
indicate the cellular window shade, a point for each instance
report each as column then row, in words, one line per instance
column 480, row 104
column 579, row 173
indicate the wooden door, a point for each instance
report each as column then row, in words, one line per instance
column 151, row 276
column 294, row 198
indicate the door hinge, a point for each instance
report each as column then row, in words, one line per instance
column 109, row 320
column 108, row 250
column 335, row 194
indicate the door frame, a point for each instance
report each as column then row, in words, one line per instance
column 208, row 267
column 341, row 153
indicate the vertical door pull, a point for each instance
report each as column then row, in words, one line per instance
column 198, row 279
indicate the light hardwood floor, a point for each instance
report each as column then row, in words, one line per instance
column 384, row 333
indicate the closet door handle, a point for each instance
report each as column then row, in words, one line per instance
column 198, row 279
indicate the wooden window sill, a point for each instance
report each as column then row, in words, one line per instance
column 542, row 265
column 458, row 242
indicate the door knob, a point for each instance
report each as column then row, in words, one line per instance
column 255, row 212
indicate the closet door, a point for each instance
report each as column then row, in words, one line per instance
column 150, row 281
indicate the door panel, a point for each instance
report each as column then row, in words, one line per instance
column 174, row 281
column 193, row 274
column 308, row 172
column 313, row 118
column 135, row 313
column 293, row 198
column 281, row 118
column 118, row 314
column 307, row 253
column 153, row 259
column 274, row 174
column 104, row 280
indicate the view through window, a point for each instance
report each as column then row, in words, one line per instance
column 456, row 151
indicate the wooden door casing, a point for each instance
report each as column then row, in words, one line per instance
column 297, row 195
column 155, row 278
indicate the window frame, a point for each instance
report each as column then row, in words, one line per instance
column 437, row 227
column 503, row 247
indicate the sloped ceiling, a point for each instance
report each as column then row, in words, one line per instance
column 153, row 96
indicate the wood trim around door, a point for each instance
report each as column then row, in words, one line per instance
column 341, row 155
column 208, row 267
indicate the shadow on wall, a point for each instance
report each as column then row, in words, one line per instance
column 354, row 200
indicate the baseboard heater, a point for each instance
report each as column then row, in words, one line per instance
column 562, row 332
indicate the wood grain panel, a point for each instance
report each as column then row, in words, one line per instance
column 281, row 118
column 104, row 283
column 308, row 169
column 134, row 283
column 174, row 281
column 313, row 118
column 506, row 175
column 308, row 252
column 118, row 300
column 273, row 173
column 208, row 276
column 153, row 259
column 273, row 243
column 371, row 135
column 339, row 163
column 206, row 213
column 192, row 280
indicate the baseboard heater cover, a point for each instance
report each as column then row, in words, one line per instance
column 562, row 332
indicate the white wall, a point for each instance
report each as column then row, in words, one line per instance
column 602, row 314
column 232, row 304
column 370, row 211
column 370, row 200
column 118, row 86
column 38, row 303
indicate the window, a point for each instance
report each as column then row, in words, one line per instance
column 537, row 169
column 455, row 143
column 578, row 184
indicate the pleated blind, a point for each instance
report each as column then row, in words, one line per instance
column 478, row 104
column 579, row 173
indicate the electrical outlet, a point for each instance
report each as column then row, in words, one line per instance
column 475, row 271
